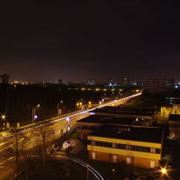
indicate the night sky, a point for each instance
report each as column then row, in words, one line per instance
column 44, row 40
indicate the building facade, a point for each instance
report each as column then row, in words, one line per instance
column 158, row 85
column 140, row 152
column 174, row 126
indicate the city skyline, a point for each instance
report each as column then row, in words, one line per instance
column 74, row 41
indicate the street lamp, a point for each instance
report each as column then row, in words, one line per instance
column 3, row 118
column 34, row 116
column 89, row 104
column 59, row 107
column 163, row 171
column 79, row 105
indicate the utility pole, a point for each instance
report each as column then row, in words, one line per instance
column 33, row 113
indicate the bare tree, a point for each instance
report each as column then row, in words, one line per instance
column 44, row 137
column 17, row 147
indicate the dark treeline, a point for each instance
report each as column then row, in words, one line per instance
column 17, row 101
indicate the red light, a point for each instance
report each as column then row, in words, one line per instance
column 113, row 170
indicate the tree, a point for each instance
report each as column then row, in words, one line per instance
column 18, row 147
column 44, row 137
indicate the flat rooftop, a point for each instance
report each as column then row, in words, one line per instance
column 174, row 117
column 113, row 120
column 124, row 110
column 134, row 133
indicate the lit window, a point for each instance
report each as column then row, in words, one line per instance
column 128, row 160
column 93, row 155
column 153, row 150
column 93, row 143
column 114, row 145
column 152, row 164
column 114, row 158
column 128, row 147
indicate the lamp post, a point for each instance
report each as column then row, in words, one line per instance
column 34, row 116
column 79, row 105
column 59, row 108
column 163, row 173
column 89, row 104
column 3, row 118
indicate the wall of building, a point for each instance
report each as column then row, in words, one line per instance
column 130, row 160
column 83, row 133
column 158, row 85
column 84, row 129
column 135, row 157
column 174, row 109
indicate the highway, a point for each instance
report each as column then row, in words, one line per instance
column 54, row 128
column 68, row 119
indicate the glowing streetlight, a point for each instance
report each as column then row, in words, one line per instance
column 3, row 117
column 164, row 171
column 34, row 115
column 4, row 120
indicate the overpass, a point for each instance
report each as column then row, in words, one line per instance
column 59, row 125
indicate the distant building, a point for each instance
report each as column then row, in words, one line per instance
column 60, row 82
column 166, row 111
column 90, row 82
column 125, row 81
column 136, row 146
column 173, row 100
column 111, row 84
column 133, row 83
column 5, row 78
column 158, row 85
column 174, row 126
column 69, row 83
column 172, row 109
